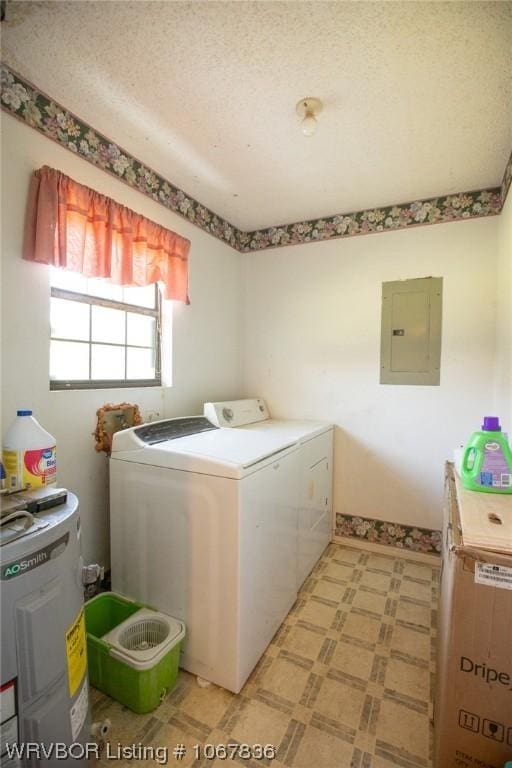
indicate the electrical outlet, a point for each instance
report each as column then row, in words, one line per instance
column 149, row 416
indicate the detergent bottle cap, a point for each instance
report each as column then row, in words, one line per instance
column 491, row 424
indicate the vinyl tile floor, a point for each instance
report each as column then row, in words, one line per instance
column 346, row 682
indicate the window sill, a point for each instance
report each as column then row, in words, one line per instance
column 68, row 386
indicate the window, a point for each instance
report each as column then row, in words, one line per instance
column 103, row 335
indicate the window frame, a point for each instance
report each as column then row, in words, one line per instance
column 84, row 298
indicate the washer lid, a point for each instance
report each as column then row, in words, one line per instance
column 231, row 453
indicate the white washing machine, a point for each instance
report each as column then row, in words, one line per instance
column 205, row 526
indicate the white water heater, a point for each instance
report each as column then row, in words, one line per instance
column 44, row 696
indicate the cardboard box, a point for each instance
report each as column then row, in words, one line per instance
column 473, row 702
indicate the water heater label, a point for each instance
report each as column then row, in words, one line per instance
column 8, row 734
column 9, row 720
column 76, row 653
column 34, row 559
column 79, row 711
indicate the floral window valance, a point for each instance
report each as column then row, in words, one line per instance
column 72, row 226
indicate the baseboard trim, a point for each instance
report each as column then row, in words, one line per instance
column 410, row 538
column 388, row 550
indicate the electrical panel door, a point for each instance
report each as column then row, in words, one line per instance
column 411, row 331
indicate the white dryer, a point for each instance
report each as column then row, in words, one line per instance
column 315, row 457
column 203, row 527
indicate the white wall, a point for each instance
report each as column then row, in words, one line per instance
column 504, row 319
column 206, row 343
column 312, row 335
column 311, row 332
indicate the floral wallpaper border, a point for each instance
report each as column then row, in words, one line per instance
column 30, row 105
column 382, row 532
column 437, row 210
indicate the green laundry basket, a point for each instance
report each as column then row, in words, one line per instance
column 133, row 651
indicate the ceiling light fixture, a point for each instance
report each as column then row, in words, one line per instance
column 308, row 109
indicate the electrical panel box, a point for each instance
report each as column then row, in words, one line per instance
column 410, row 351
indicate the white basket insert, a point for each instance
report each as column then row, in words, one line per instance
column 145, row 638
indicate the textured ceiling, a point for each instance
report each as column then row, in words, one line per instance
column 417, row 95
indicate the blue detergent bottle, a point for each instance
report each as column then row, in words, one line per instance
column 487, row 460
